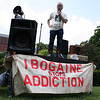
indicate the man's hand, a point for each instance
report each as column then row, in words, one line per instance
column 48, row 22
column 50, row 25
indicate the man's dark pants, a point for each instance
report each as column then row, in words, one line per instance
column 53, row 34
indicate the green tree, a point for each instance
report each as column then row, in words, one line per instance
column 43, row 49
column 41, row 46
column 91, row 48
column 44, row 52
column 1, row 61
column 83, row 43
column 91, row 51
column 2, row 55
column 95, row 39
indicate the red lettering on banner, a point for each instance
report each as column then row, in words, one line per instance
column 66, row 68
column 27, row 80
column 34, row 64
column 51, row 67
column 75, row 68
column 36, row 79
column 56, row 73
column 72, row 68
column 50, row 73
column 45, row 65
column 53, row 80
column 78, row 68
column 60, row 73
column 60, row 67
column 62, row 80
column 68, row 81
column 80, row 81
column 46, row 81
column 73, row 82
column 49, row 81
column 25, row 64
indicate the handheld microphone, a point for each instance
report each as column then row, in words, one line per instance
column 59, row 9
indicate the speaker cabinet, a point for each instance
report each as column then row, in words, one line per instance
column 64, row 47
column 74, row 49
column 22, row 36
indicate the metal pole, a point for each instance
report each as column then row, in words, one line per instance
column 11, row 85
column 90, row 93
column 40, row 37
column 40, row 32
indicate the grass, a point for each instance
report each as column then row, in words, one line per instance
column 4, row 93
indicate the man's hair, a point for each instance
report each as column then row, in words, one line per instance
column 59, row 3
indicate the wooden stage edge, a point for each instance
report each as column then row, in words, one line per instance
column 62, row 60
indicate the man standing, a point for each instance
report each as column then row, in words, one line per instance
column 56, row 28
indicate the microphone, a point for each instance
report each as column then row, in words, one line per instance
column 59, row 9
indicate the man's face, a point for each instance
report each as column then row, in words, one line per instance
column 59, row 7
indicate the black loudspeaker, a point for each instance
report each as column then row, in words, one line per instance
column 22, row 36
column 18, row 10
column 64, row 47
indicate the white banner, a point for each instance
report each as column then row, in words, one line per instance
column 33, row 74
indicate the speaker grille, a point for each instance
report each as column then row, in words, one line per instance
column 22, row 36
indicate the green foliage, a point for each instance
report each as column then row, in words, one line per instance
column 43, row 49
column 2, row 55
column 93, row 54
column 91, row 48
column 83, row 43
column 44, row 52
column 96, row 78
column 41, row 46
column 1, row 61
column 95, row 39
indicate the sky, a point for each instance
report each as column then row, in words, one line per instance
column 83, row 17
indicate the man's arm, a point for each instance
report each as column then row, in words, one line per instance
column 63, row 20
column 48, row 22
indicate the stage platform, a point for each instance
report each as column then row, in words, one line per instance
column 62, row 60
column 9, row 59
